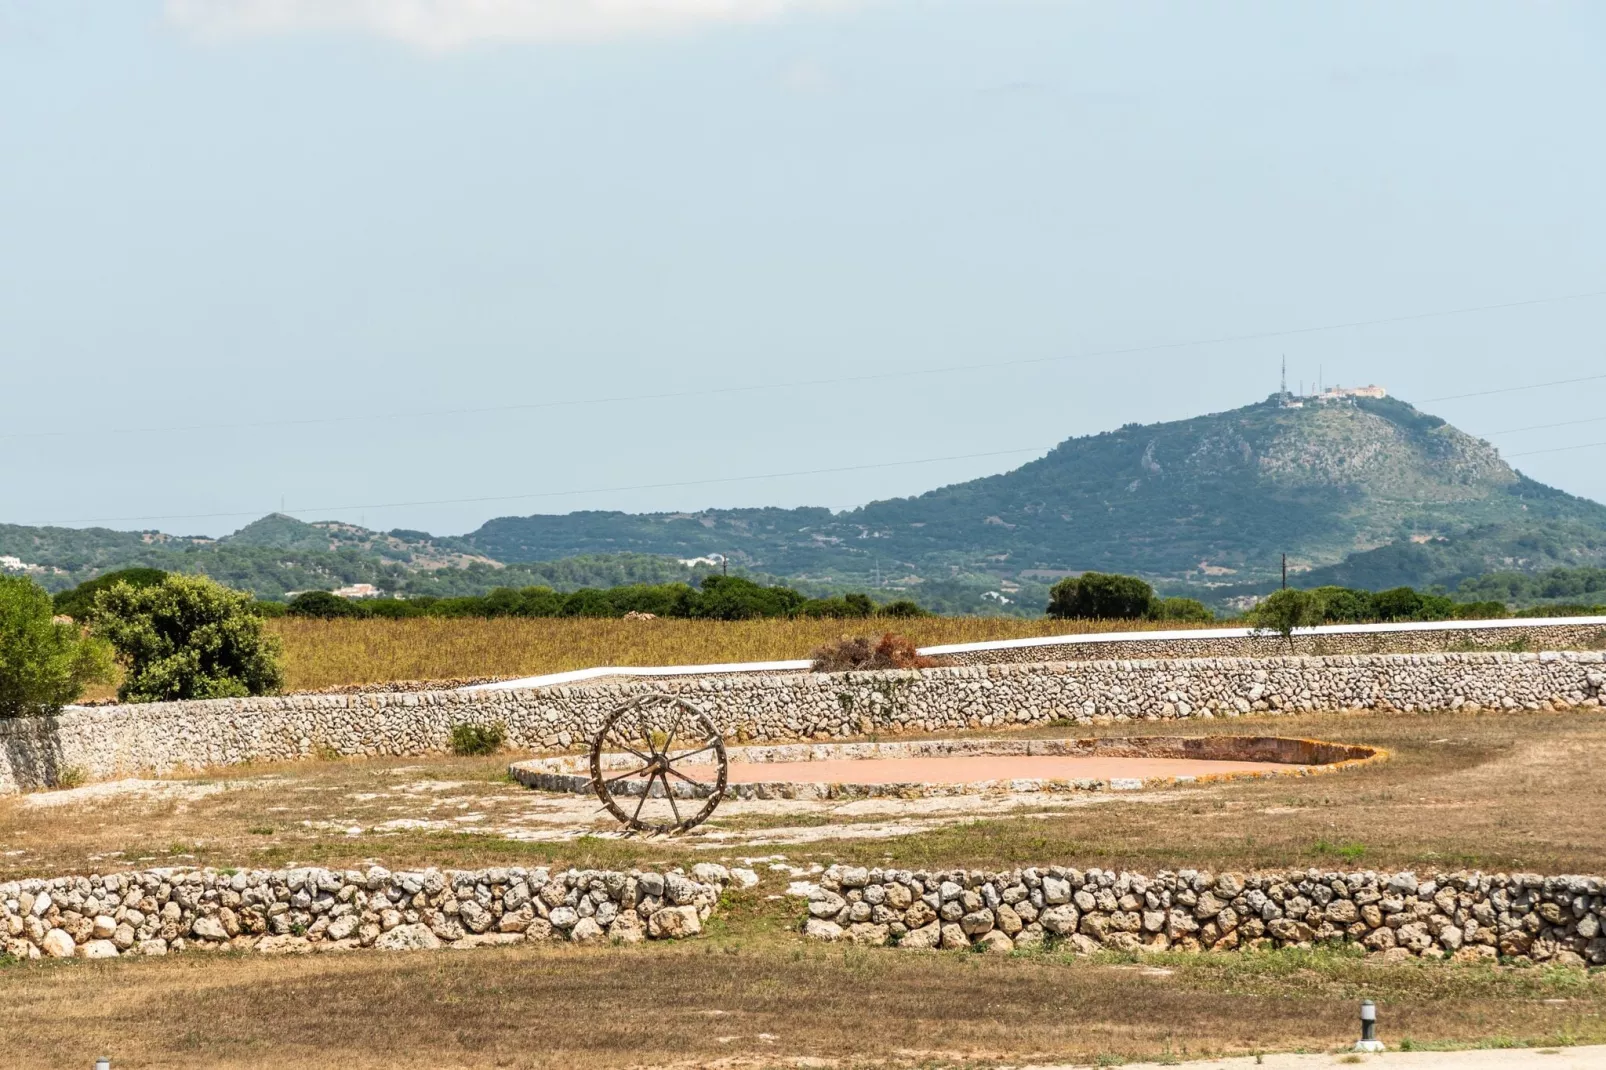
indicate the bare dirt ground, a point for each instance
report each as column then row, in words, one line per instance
column 1492, row 791
column 1497, row 792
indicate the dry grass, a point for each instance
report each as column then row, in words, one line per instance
column 321, row 653
column 1491, row 791
column 751, row 994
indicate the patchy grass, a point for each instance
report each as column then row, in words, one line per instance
column 1491, row 791
column 751, row 991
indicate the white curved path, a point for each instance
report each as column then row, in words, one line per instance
column 579, row 676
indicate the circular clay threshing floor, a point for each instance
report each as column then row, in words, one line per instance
column 960, row 766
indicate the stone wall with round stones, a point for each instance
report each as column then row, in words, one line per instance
column 107, row 741
column 1409, row 638
column 154, row 912
column 1462, row 915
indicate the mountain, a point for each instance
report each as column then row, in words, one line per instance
column 278, row 554
column 1359, row 487
column 1356, row 488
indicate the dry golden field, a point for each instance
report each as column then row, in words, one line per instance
column 326, row 653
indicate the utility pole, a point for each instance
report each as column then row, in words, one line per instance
column 725, row 564
column 1285, row 572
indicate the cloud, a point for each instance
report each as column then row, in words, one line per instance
column 448, row 24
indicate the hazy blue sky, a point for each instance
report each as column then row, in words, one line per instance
column 234, row 212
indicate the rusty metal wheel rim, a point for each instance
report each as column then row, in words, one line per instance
column 628, row 729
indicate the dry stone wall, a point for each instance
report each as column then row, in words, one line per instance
column 1237, row 643
column 107, row 741
column 1525, row 918
column 154, row 912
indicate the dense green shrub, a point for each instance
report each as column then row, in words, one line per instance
column 478, row 739
column 903, row 607
column 1346, row 605
column 324, row 605
column 1285, row 611
column 44, row 663
column 269, row 609
column 1181, row 609
column 77, row 602
column 187, row 637
column 1100, row 596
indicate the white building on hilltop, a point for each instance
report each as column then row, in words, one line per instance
column 358, row 590
column 12, row 564
column 1333, row 393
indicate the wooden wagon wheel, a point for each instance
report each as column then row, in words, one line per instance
column 663, row 736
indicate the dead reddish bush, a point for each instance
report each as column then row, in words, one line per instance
column 891, row 651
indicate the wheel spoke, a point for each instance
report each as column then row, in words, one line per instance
column 692, row 753
column 635, row 818
column 622, row 776
column 670, row 795
column 683, row 776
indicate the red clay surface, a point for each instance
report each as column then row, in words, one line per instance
column 969, row 769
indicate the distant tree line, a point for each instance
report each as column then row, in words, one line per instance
column 1103, row 596
column 717, row 598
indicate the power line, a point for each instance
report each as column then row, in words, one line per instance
column 1545, row 427
column 557, row 493
column 1514, row 389
column 1560, row 449
column 832, row 381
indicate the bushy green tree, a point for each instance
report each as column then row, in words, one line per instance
column 1100, row 596
column 44, row 663
column 738, row 598
column 187, row 638
column 1285, row 611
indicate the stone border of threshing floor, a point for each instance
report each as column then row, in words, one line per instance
column 1522, row 918
column 304, row 909
column 1295, row 757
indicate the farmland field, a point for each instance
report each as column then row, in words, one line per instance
column 324, row 653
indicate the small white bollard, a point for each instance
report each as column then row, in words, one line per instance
column 1368, row 1041
column 103, row 1063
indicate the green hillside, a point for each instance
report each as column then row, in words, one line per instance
column 1357, row 491
column 1369, row 487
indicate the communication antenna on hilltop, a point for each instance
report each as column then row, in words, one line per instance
column 1284, row 390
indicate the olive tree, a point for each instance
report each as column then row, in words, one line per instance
column 44, row 663
column 187, row 637
column 1284, row 611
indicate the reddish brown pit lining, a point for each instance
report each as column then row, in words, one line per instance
column 973, row 768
